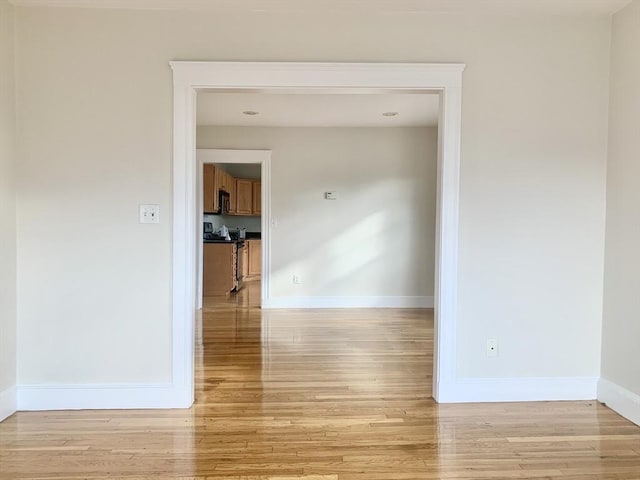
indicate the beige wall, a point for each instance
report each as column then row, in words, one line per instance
column 378, row 238
column 7, row 205
column 621, row 324
column 95, row 123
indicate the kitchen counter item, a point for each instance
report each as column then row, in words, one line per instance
column 223, row 231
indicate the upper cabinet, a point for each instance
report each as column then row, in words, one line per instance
column 221, row 180
column 210, row 191
column 244, row 194
column 256, row 205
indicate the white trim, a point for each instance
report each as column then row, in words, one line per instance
column 8, row 403
column 263, row 157
column 520, row 389
column 446, row 282
column 349, row 302
column 620, row 400
column 184, row 232
column 189, row 77
column 100, row 396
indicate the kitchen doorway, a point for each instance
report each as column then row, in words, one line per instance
column 233, row 186
column 234, row 210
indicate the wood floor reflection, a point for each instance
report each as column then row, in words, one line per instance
column 320, row 395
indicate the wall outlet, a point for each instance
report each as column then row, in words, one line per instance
column 492, row 347
column 296, row 279
column 149, row 213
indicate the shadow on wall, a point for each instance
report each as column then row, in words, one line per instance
column 377, row 238
column 378, row 241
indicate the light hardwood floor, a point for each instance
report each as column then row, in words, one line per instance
column 320, row 395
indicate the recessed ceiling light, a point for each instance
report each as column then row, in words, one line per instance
column 389, row 114
column 250, row 112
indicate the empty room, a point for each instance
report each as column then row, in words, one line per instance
column 319, row 240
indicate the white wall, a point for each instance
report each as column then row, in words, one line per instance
column 378, row 238
column 95, row 113
column 621, row 323
column 7, row 214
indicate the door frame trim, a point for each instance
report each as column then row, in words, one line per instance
column 283, row 77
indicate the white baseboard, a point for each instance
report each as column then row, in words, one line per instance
column 518, row 389
column 620, row 400
column 107, row 396
column 88, row 397
column 348, row 302
column 8, row 403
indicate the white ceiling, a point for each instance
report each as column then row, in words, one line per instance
column 593, row 7
column 317, row 110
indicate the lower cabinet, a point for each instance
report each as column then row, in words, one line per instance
column 218, row 268
column 255, row 257
column 244, row 252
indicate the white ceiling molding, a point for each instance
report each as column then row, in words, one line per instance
column 553, row 7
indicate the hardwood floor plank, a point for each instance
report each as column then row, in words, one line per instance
column 320, row 395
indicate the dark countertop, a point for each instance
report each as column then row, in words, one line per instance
column 223, row 241
column 249, row 236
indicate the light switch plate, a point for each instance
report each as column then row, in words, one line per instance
column 331, row 195
column 149, row 213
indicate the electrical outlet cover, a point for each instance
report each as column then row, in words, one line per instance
column 492, row 347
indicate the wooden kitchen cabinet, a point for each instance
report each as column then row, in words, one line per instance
column 218, row 268
column 218, row 179
column 255, row 256
column 256, row 204
column 223, row 179
column 244, row 196
column 209, row 193
column 229, row 182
